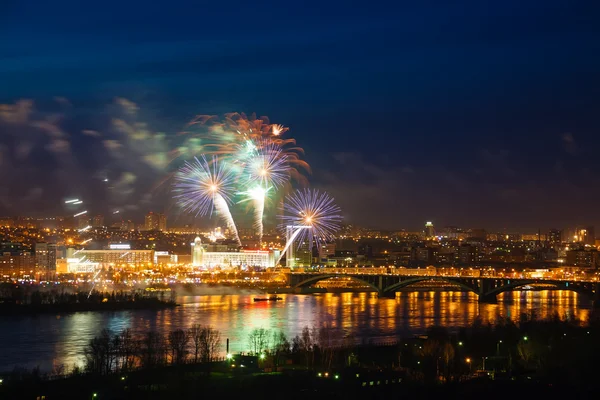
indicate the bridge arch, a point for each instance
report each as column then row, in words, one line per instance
column 556, row 285
column 315, row 279
column 393, row 288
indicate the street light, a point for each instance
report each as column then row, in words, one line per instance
column 468, row 360
column 498, row 347
column 525, row 338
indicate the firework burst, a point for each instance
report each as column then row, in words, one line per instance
column 236, row 132
column 311, row 208
column 268, row 165
column 202, row 187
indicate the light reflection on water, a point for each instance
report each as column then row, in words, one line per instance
column 47, row 340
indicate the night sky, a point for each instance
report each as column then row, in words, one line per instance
column 471, row 114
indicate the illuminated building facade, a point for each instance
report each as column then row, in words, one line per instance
column 197, row 251
column 239, row 259
column 75, row 266
column 429, row 230
column 114, row 256
column 16, row 265
column 45, row 259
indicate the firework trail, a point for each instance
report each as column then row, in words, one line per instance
column 310, row 208
column 222, row 209
column 264, row 168
column 257, row 195
column 201, row 189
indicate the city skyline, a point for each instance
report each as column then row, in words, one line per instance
column 157, row 221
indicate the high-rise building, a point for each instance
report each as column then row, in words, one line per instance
column 467, row 254
column 197, row 252
column 151, row 221
column 155, row 222
column 45, row 260
column 555, row 237
column 429, row 229
column 326, row 249
column 297, row 254
column 98, row 221
column 585, row 235
column 162, row 222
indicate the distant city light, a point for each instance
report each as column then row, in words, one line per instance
column 119, row 246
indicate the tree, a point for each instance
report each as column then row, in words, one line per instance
column 195, row 335
column 210, row 341
column 178, row 341
column 152, row 350
column 100, row 354
column 258, row 340
column 525, row 349
column 280, row 346
column 307, row 346
column 126, row 350
column 327, row 339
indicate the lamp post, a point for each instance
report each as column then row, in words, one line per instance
column 468, row 360
column 498, row 347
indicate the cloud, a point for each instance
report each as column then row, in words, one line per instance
column 123, row 187
column 17, row 113
column 92, row 133
column 127, row 106
column 569, row 144
column 50, row 128
column 158, row 160
column 112, row 145
column 62, row 101
column 59, row 146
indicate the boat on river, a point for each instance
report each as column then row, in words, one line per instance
column 270, row 298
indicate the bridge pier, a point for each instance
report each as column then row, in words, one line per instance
column 386, row 295
column 488, row 298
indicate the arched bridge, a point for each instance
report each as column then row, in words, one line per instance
column 486, row 288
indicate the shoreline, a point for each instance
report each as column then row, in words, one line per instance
column 28, row 309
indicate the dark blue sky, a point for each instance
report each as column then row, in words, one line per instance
column 470, row 114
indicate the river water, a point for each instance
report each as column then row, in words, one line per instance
column 50, row 340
